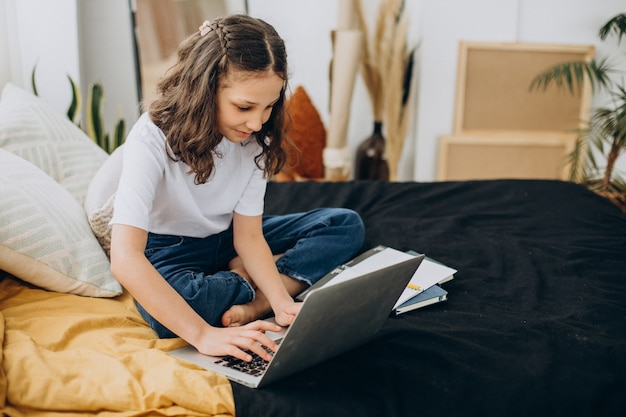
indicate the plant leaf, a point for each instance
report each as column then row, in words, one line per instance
column 73, row 112
column 105, row 142
column 571, row 75
column 408, row 75
column 32, row 80
column 94, row 114
column 617, row 24
column 118, row 134
column 576, row 160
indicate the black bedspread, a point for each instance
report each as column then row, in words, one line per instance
column 535, row 323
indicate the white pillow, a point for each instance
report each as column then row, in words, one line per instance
column 101, row 195
column 45, row 238
column 33, row 130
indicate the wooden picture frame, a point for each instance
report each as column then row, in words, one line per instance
column 518, row 155
column 493, row 88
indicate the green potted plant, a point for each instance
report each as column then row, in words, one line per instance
column 604, row 135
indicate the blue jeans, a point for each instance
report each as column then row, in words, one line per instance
column 312, row 244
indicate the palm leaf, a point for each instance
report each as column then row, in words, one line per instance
column 572, row 75
column 612, row 124
column 620, row 115
column 604, row 138
column 577, row 162
column 608, row 137
column 617, row 24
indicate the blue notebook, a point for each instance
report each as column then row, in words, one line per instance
column 432, row 295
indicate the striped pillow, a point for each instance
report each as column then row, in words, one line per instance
column 45, row 238
column 33, row 130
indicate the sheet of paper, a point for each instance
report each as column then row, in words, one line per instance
column 428, row 274
column 382, row 259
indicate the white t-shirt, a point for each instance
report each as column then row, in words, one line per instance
column 158, row 195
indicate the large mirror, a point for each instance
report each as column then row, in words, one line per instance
column 162, row 24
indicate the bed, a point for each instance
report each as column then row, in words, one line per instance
column 534, row 324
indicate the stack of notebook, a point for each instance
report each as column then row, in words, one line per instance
column 424, row 288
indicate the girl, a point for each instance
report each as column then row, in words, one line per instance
column 189, row 240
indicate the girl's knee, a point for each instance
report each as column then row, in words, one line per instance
column 353, row 219
column 346, row 217
column 352, row 224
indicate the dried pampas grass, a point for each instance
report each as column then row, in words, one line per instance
column 386, row 68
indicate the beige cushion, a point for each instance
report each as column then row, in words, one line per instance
column 101, row 195
column 45, row 238
column 32, row 129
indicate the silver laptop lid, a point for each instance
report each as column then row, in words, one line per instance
column 336, row 318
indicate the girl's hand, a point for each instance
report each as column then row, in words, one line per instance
column 286, row 312
column 235, row 341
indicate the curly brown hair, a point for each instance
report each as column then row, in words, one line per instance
column 186, row 110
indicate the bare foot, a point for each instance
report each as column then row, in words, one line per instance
column 238, row 315
column 241, row 314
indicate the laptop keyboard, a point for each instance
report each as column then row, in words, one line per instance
column 256, row 367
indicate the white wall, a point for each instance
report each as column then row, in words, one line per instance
column 46, row 38
column 445, row 23
column 5, row 68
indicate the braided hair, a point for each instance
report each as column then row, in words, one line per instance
column 186, row 110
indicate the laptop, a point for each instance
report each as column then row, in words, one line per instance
column 332, row 320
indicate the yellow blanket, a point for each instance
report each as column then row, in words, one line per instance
column 69, row 355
